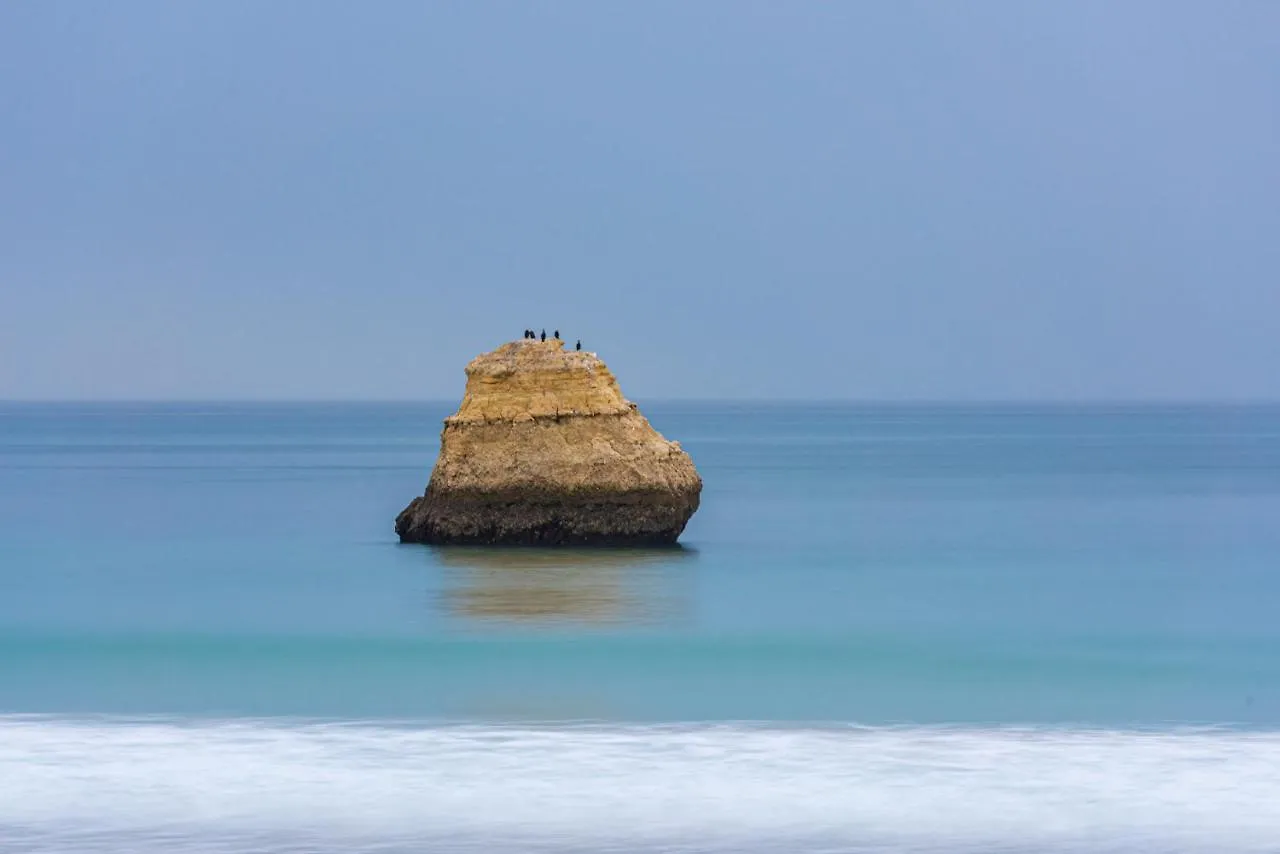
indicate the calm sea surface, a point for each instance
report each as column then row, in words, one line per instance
column 891, row 628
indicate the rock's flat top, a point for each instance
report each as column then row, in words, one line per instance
column 530, row 379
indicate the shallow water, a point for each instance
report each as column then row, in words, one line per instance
column 892, row 628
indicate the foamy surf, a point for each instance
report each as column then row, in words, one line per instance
column 97, row 785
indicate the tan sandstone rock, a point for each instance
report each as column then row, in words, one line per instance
column 545, row 450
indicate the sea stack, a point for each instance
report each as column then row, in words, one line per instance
column 545, row 451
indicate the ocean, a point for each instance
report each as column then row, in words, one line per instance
column 890, row 628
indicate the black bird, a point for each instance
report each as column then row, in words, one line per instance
column 578, row 346
column 544, row 335
column 557, row 334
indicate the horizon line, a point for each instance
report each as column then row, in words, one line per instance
column 862, row 401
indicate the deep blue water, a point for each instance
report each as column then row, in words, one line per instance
column 891, row 628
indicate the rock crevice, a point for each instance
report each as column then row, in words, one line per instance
column 545, row 450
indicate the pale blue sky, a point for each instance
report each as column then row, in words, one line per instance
column 1015, row 200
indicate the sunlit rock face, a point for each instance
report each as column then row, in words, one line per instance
column 545, row 450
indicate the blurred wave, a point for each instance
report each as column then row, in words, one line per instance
column 76, row 785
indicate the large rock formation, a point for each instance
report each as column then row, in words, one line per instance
column 545, row 450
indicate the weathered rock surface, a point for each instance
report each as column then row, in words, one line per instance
column 545, row 450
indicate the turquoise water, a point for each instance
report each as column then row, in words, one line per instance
column 891, row 628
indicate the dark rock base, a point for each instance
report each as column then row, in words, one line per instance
column 626, row 519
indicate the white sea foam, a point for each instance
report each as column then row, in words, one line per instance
column 150, row 785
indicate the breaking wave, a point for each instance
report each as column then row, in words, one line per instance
column 74, row 785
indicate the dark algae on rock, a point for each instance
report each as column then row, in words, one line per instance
column 544, row 450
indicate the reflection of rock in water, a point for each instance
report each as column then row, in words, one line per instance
column 586, row 586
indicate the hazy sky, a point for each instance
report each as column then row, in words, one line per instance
column 820, row 200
